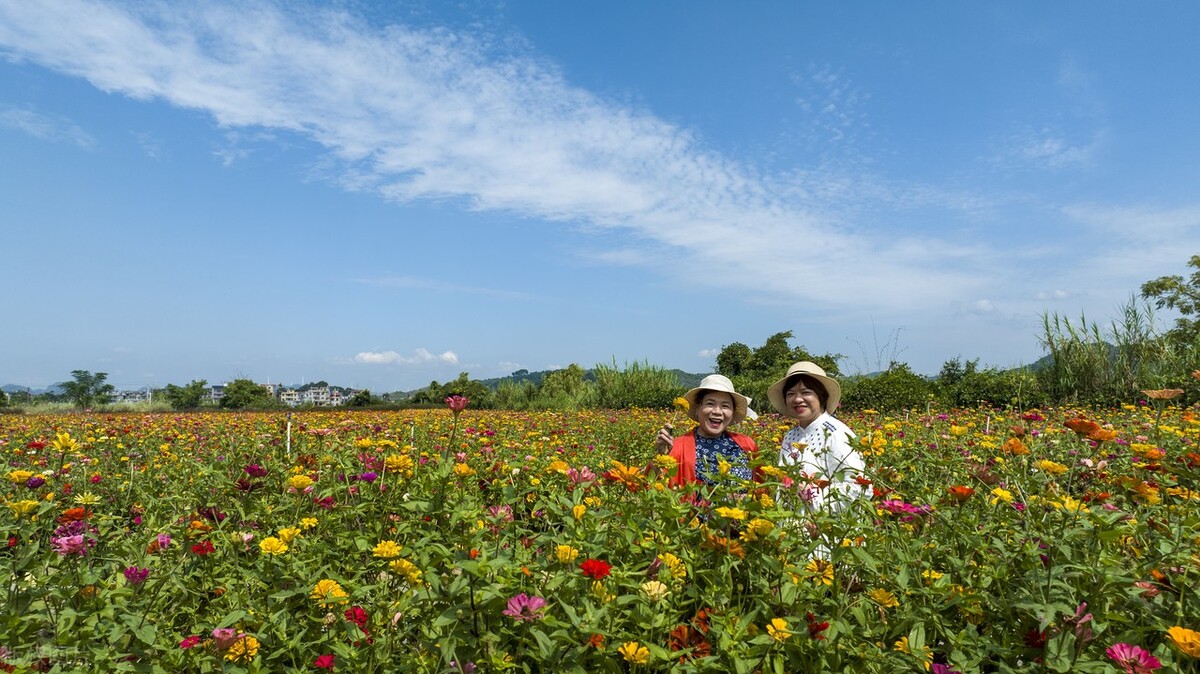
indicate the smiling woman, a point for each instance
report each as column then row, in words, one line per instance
column 710, row 452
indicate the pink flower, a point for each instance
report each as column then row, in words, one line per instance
column 224, row 637
column 523, row 607
column 189, row 642
column 1133, row 659
column 70, row 545
column 136, row 575
column 325, row 662
column 456, row 403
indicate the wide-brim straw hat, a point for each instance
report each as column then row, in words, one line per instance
column 721, row 383
column 834, row 389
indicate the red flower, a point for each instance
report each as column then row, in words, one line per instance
column 815, row 628
column 325, row 661
column 189, row 642
column 595, row 568
column 203, row 548
column 358, row 616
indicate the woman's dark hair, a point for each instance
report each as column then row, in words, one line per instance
column 813, row 384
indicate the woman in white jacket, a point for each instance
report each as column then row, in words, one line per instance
column 819, row 443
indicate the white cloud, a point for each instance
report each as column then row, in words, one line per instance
column 430, row 114
column 708, row 353
column 393, row 358
column 50, row 128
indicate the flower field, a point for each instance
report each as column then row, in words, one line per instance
column 455, row 540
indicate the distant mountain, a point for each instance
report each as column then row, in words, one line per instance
column 56, row 389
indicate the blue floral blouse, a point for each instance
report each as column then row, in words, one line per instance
column 711, row 451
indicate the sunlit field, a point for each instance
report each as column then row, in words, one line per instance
column 1029, row 540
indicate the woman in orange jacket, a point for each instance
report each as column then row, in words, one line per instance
column 714, row 405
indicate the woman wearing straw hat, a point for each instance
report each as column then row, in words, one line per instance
column 714, row 406
column 819, row 443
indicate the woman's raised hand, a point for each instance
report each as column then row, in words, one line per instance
column 664, row 439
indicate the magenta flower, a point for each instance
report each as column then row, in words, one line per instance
column 136, row 575
column 1133, row 659
column 35, row 482
column 70, row 545
column 523, row 607
column 943, row 669
column 163, row 540
column 190, row 642
column 456, row 403
column 255, row 470
column 224, row 637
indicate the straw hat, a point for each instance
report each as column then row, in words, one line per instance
column 717, row 382
column 775, row 393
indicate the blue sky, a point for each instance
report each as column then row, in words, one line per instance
column 385, row 194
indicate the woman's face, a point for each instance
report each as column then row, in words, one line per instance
column 804, row 403
column 715, row 413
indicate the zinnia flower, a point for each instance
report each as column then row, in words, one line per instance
column 70, row 545
column 328, row 592
column 456, row 403
column 654, row 590
column 524, row 607
column 595, row 568
column 565, row 554
column 778, row 629
column 1133, row 659
column 821, row 571
column 202, row 548
column 243, row 649
column 884, row 598
column 190, row 642
column 634, row 652
column 325, row 661
column 136, row 575
column 1186, row 640
column 386, row 549
column 272, row 546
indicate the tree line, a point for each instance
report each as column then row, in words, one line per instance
column 1085, row 363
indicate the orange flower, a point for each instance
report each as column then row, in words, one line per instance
column 596, row 641
column 1102, row 434
column 1082, row 427
column 961, row 493
column 733, row 547
column 1165, row 393
column 1015, row 446
column 74, row 515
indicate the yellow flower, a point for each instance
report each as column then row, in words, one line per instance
column 87, row 498
column 665, row 461
column 1050, row 467
column 600, row 592
column 399, row 463
column 884, row 598
column 926, row 654
column 407, row 569
column 287, row 535
column 386, row 549
column 308, row 522
column 565, row 554
column 328, row 592
column 821, row 571
column 578, row 511
column 654, row 590
column 778, row 629
column 732, row 513
column 19, row 476
column 1186, row 640
column 674, row 564
column 23, row 507
column 272, row 546
column 463, row 470
column 681, row 404
column 300, row 482
column 558, row 466
column 723, row 467
column 244, row 649
column 931, row 576
column 634, row 652
column 1000, row 494
column 63, row 442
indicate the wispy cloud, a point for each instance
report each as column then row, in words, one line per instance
column 415, row 114
column 52, row 128
column 420, row 356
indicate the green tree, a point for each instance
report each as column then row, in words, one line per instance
column 362, row 398
column 1183, row 295
column 186, row 397
column 754, row 370
column 244, row 393
column 87, row 389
